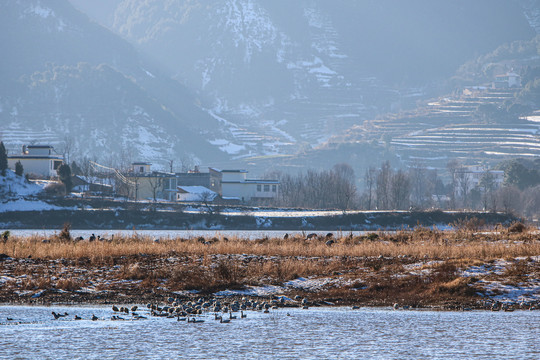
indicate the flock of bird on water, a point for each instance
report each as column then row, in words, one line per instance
column 193, row 311
column 225, row 311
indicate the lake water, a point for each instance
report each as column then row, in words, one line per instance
column 322, row 333
column 171, row 234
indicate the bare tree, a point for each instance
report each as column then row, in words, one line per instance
column 67, row 147
column 155, row 184
column 370, row 178
column 417, row 174
column 344, row 184
column 463, row 178
column 509, row 199
column 400, row 190
column 384, row 177
column 188, row 162
column 452, row 166
column 487, row 185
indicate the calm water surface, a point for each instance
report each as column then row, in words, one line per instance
column 322, row 333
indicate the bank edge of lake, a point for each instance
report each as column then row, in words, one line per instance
column 178, row 220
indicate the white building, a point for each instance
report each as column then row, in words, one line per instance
column 38, row 160
column 195, row 194
column 508, row 80
column 236, row 185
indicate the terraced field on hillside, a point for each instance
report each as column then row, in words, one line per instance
column 449, row 128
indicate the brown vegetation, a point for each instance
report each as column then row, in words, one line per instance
column 420, row 267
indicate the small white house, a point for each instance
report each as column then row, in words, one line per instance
column 195, row 194
column 236, row 185
column 508, row 80
column 37, row 159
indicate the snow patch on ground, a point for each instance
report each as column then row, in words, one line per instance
column 29, row 205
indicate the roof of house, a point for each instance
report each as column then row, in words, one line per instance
column 39, row 147
column 153, row 174
column 247, row 181
column 35, row 157
column 194, row 189
column 234, row 171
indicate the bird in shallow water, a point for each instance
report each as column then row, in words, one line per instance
column 94, row 317
column 77, row 317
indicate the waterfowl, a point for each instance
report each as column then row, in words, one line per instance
column 224, row 321
column 195, row 320
column 77, row 317
column 94, row 317
column 242, row 315
column 57, row 315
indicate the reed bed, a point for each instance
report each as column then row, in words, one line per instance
column 416, row 244
column 417, row 266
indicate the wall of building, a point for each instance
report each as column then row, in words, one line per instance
column 43, row 167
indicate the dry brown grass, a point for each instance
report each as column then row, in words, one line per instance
column 419, row 243
column 375, row 263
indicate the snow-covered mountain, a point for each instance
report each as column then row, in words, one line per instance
column 69, row 82
column 278, row 74
column 228, row 79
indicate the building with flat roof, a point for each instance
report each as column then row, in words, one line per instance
column 37, row 160
column 236, row 185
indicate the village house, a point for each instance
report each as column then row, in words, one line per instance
column 508, row 80
column 144, row 184
column 37, row 161
column 195, row 194
column 235, row 185
column 210, row 180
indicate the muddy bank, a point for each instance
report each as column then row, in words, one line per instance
column 176, row 219
column 142, row 279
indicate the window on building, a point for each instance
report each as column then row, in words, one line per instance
column 258, row 187
column 266, row 188
column 274, row 188
column 141, row 169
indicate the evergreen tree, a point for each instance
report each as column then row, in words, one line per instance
column 3, row 159
column 64, row 174
column 19, row 168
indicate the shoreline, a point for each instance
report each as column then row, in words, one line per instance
column 176, row 219
column 420, row 269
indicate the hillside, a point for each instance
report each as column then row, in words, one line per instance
column 475, row 123
column 70, row 82
column 236, row 83
column 281, row 74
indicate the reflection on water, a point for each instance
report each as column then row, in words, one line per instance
column 327, row 333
